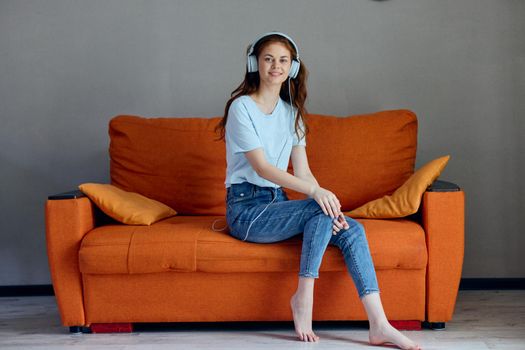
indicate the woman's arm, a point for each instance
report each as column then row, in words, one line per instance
column 271, row 173
column 301, row 169
column 305, row 184
column 310, row 178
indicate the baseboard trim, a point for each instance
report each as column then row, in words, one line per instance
column 27, row 290
column 465, row 284
column 491, row 283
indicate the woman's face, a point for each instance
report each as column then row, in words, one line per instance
column 274, row 63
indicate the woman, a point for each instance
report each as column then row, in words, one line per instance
column 262, row 130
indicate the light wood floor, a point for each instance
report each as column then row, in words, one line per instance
column 482, row 320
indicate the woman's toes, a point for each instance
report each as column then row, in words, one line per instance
column 313, row 337
column 385, row 333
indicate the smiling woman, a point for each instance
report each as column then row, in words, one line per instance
column 261, row 127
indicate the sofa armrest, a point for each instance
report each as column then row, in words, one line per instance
column 67, row 221
column 67, row 195
column 443, row 186
column 443, row 219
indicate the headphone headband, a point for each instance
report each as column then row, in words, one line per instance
column 250, row 52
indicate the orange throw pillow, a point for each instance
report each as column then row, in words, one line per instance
column 406, row 199
column 127, row 207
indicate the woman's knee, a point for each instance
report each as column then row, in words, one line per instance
column 355, row 226
column 320, row 224
column 354, row 233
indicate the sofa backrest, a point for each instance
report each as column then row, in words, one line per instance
column 178, row 162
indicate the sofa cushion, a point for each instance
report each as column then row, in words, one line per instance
column 189, row 244
column 140, row 249
column 177, row 161
column 407, row 198
column 127, row 207
column 361, row 157
column 172, row 160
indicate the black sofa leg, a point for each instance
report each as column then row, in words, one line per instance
column 437, row 326
column 79, row 329
column 75, row 329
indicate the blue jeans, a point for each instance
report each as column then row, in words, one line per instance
column 266, row 215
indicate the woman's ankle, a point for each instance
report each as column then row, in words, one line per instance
column 305, row 287
column 377, row 323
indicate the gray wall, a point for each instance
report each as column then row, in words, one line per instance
column 67, row 67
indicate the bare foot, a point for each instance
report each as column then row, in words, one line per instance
column 386, row 333
column 302, row 317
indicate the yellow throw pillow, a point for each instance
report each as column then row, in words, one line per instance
column 127, row 207
column 406, row 199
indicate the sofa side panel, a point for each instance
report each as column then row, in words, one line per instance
column 443, row 219
column 67, row 221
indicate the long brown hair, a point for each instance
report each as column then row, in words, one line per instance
column 252, row 80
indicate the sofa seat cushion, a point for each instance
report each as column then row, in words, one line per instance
column 166, row 245
column 188, row 243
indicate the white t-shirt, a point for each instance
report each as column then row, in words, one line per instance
column 249, row 128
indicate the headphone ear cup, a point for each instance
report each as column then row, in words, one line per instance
column 294, row 69
column 252, row 64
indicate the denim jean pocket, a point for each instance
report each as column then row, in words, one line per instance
column 241, row 193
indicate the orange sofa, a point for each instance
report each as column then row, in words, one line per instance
column 181, row 270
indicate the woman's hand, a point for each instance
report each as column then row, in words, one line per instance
column 331, row 206
column 340, row 223
column 327, row 201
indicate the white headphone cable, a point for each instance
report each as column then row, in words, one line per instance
column 251, row 223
